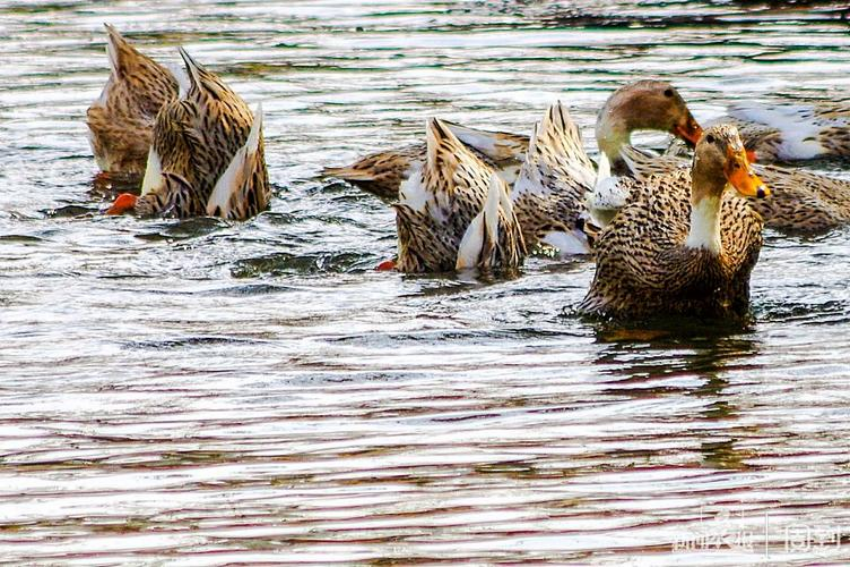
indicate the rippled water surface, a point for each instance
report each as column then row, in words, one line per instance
column 203, row 392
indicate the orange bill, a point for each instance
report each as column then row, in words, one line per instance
column 689, row 131
column 386, row 266
column 751, row 156
column 124, row 203
column 742, row 177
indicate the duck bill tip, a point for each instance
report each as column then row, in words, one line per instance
column 124, row 203
column 742, row 177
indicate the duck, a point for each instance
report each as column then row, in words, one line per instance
column 455, row 213
column 207, row 155
column 121, row 121
column 549, row 193
column 684, row 244
column 789, row 132
column 642, row 105
column 803, row 202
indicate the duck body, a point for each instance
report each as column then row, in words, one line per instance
column 382, row 173
column 801, row 202
column 207, row 156
column 438, row 206
column 549, row 192
column 121, row 121
column 790, row 132
column 672, row 250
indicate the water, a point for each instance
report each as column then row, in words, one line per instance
column 203, row 392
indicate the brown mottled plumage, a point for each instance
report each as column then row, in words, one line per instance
column 683, row 244
column 438, row 204
column 789, row 132
column 121, row 121
column 801, row 201
column 549, row 195
column 207, row 154
column 652, row 105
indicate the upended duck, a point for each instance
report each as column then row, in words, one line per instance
column 549, row 194
column 683, row 244
column 643, row 105
column 121, row 121
column 802, row 202
column 455, row 212
column 206, row 157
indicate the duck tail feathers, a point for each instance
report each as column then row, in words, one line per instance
column 233, row 180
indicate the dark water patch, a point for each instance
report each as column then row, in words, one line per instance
column 71, row 211
column 283, row 264
column 187, row 342
column 184, row 229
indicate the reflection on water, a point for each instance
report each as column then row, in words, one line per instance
column 203, row 392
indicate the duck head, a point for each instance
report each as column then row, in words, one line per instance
column 643, row 105
column 720, row 161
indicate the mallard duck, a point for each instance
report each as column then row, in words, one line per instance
column 121, row 120
column 549, row 194
column 789, row 132
column 801, row 201
column 206, row 157
column 643, row 105
column 683, row 244
column 454, row 213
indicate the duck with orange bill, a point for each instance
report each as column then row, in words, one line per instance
column 684, row 243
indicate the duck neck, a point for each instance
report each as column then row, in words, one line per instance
column 705, row 224
column 613, row 133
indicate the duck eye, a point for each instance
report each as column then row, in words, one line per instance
column 710, row 139
column 669, row 93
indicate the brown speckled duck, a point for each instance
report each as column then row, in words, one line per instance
column 789, row 132
column 207, row 155
column 121, row 120
column 801, row 201
column 643, row 105
column 455, row 213
column 683, row 244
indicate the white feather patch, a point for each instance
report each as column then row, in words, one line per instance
column 568, row 243
column 609, row 194
column 705, row 229
column 153, row 173
column 485, row 223
column 485, row 142
column 413, row 192
column 798, row 126
column 234, row 177
column 182, row 78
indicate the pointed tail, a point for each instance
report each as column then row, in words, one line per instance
column 231, row 186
